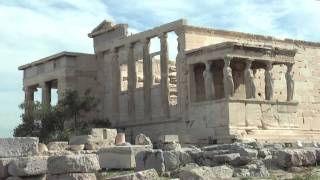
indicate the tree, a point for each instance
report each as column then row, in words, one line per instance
column 71, row 108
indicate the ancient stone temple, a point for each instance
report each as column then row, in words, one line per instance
column 219, row 86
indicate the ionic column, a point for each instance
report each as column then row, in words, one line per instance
column 147, row 79
column 115, row 84
column 208, row 81
column 227, row 78
column 164, row 58
column 182, row 73
column 132, row 81
column 268, row 81
column 46, row 94
column 290, row 82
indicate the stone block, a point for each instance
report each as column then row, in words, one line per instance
column 83, row 163
column 296, row 157
column 74, row 140
column 19, row 146
column 170, row 146
column 237, row 114
column 120, row 157
column 142, row 139
column 171, row 160
column 169, row 139
column 97, row 145
column 140, row 175
column 225, row 158
column 150, row 159
column 42, row 148
column 73, row 176
column 40, row 177
column 77, row 147
column 4, row 163
column 253, row 115
column 105, row 134
column 207, row 173
column 58, row 146
column 28, row 166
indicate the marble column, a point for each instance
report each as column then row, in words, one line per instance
column 46, row 94
column 115, row 84
column 132, row 81
column 249, row 80
column 268, row 81
column 182, row 74
column 208, row 81
column 227, row 78
column 164, row 84
column 147, row 79
column 29, row 94
column 290, row 82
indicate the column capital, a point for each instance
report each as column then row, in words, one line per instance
column 249, row 60
column 268, row 65
column 289, row 65
column 114, row 50
column 207, row 64
column 130, row 45
column 163, row 35
column 145, row 40
column 227, row 59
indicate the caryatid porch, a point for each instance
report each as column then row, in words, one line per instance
column 225, row 76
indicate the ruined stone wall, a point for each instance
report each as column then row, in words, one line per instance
column 306, row 69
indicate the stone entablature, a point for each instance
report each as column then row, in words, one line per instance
column 219, row 79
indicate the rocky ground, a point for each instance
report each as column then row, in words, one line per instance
column 104, row 154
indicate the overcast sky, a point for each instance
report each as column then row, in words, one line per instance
column 32, row 29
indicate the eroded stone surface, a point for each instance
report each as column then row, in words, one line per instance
column 120, row 157
column 73, row 176
column 84, row 163
column 150, row 159
column 28, row 166
column 206, row 173
column 58, row 146
column 19, row 146
column 140, row 175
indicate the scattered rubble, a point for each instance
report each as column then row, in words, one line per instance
column 104, row 150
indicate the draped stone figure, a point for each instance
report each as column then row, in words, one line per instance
column 268, row 81
column 249, row 81
column 227, row 79
column 208, row 80
column 290, row 82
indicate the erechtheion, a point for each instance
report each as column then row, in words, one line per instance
column 221, row 85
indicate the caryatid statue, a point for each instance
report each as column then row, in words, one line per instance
column 268, row 81
column 208, row 80
column 290, row 82
column 249, row 81
column 227, row 78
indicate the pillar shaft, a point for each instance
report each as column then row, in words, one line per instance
column 132, row 81
column 46, row 94
column 182, row 74
column 147, row 79
column 208, row 82
column 268, row 81
column 164, row 58
column 115, row 85
column 28, row 94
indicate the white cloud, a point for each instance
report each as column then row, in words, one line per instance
column 34, row 29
